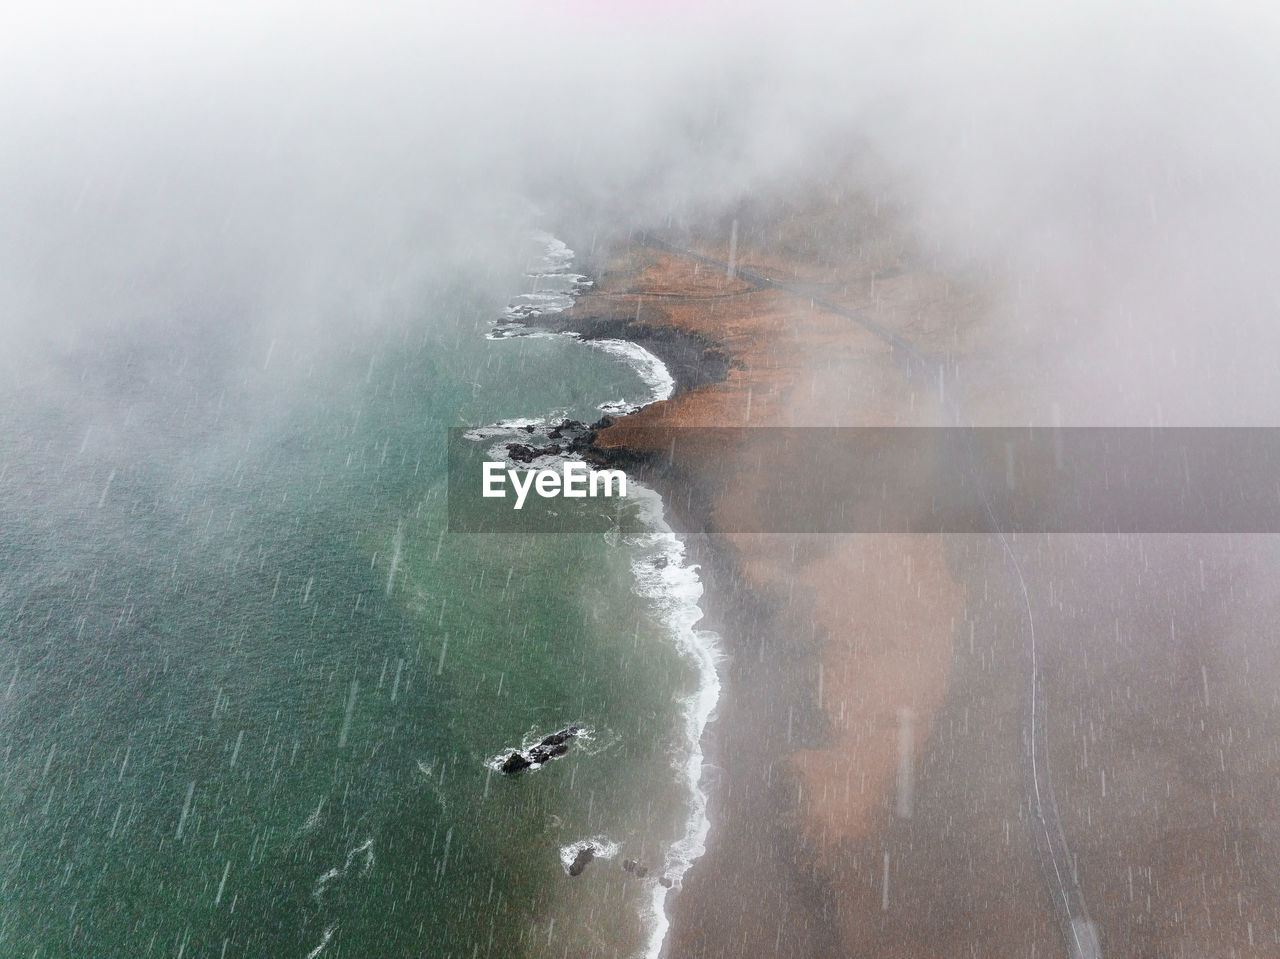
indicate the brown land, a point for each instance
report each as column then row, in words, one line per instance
column 835, row 642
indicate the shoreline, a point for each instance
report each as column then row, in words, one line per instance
column 868, row 763
column 762, row 833
column 663, row 574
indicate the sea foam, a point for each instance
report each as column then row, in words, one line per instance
column 663, row 578
column 674, row 589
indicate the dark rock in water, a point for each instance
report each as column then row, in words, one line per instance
column 631, row 865
column 563, row 736
column 555, row 434
column 585, row 855
column 556, row 744
column 527, row 429
column 603, row 423
column 515, row 763
column 523, row 453
column 660, row 563
column 665, row 882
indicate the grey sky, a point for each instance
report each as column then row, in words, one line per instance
column 1108, row 168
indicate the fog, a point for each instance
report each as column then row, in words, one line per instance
column 216, row 223
column 1105, row 171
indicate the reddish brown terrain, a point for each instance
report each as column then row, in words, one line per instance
column 868, row 783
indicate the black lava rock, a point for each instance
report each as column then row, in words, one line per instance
column 515, row 763
column 585, row 855
column 556, row 744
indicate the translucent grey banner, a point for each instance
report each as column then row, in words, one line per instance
column 908, row 480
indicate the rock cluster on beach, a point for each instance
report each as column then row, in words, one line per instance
column 569, row 437
column 556, row 744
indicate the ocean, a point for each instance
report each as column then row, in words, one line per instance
column 253, row 694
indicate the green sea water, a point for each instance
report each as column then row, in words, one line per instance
column 249, row 685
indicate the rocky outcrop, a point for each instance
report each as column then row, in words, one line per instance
column 566, row 437
column 640, row 871
column 549, row 747
column 580, row 861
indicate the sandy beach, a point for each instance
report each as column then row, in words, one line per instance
column 867, row 771
column 832, row 640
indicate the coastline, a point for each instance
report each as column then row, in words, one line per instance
column 868, row 762
column 781, row 759
column 663, row 575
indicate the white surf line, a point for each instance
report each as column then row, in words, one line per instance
column 324, row 941
column 674, row 589
column 651, row 370
column 554, row 290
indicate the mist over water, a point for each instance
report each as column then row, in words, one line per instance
column 1102, row 171
column 247, row 264
column 251, row 688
